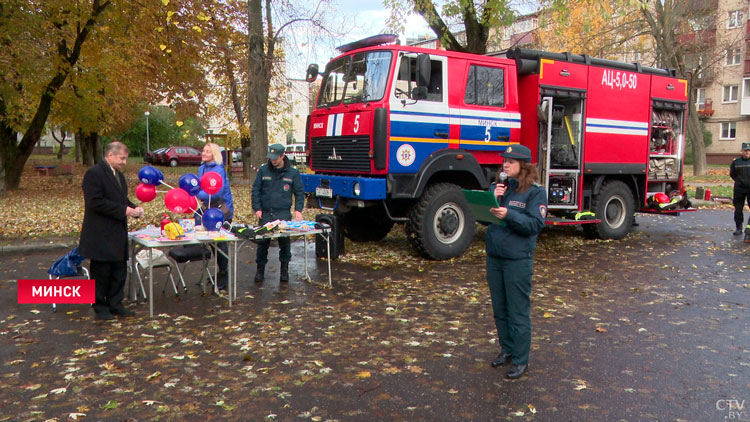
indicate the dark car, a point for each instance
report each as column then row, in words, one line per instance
column 151, row 157
column 180, row 156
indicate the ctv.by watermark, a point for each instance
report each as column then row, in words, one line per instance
column 733, row 409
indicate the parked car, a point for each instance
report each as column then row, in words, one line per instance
column 237, row 155
column 180, row 156
column 151, row 157
column 296, row 153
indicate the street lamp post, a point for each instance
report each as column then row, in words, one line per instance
column 148, row 148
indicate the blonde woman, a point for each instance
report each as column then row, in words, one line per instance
column 212, row 161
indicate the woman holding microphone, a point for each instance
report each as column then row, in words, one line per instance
column 510, row 255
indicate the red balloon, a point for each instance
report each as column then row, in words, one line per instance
column 193, row 206
column 211, row 182
column 145, row 193
column 177, row 200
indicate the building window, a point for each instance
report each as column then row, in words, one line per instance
column 735, row 19
column 728, row 131
column 730, row 94
column 700, row 98
column 733, row 56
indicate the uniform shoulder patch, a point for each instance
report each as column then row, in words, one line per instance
column 543, row 211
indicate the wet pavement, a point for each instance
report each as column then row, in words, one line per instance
column 653, row 327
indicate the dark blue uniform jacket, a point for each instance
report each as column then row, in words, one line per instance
column 739, row 171
column 273, row 189
column 526, row 213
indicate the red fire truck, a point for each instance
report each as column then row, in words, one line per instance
column 398, row 131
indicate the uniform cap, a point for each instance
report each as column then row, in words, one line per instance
column 518, row 152
column 275, row 151
column 745, row 146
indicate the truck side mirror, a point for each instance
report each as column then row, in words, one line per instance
column 312, row 73
column 423, row 69
column 419, row 93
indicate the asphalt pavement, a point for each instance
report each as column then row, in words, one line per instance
column 652, row 327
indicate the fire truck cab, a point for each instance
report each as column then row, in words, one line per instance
column 398, row 131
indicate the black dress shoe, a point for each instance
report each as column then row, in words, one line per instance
column 221, row 280
column 501, row 360
column 516, row 371
column 737, row 232
column 123, row 312
column 104, row 316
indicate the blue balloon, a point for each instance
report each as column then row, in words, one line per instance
column 213, row 218
column 190, row 184
column 149, row 175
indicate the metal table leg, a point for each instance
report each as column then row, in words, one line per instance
column 150, row 283
column 328, row 251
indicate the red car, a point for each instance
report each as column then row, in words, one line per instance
column 176, row 156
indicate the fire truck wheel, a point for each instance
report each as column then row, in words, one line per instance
column 441, row 225
column 366, row 225
column 614, row 205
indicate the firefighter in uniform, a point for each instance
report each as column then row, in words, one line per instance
column 739, row 171
column 510, row 256
column 273, row 188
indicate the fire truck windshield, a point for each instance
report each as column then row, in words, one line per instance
column 357, row 78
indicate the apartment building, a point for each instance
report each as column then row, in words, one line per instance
column 722, row 92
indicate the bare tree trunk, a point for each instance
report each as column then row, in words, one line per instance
column 695, row 136
column 5, row 153
column 91, row 148
column 78, row 149
column 257, row 97
column 60, row 143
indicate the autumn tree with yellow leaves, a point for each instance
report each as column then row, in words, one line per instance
column 675, row 34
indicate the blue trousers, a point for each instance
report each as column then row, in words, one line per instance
column 510, row 287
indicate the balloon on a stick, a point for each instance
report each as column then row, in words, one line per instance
column 211, row 182
column 192, row 206
column 145, row 192
column 150, row 175
column 177, row 200
column 190, row 183
column 213, row 218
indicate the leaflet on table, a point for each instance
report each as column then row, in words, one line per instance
column 152, row 233
column 282, row 225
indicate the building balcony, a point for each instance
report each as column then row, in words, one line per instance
column 706, row 109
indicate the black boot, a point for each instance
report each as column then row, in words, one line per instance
column 221, row 280
column 284, row 273
column 259, row 273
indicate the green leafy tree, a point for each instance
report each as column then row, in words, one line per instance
column 460, row 25
column 40, row 44
column 164, row 129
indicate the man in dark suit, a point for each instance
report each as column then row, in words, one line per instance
column 104, row 235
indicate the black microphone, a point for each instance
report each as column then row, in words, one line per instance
column 501, row 179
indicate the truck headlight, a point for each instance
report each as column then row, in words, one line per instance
column 356, row 188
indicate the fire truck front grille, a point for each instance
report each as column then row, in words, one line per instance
column 341, row 153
